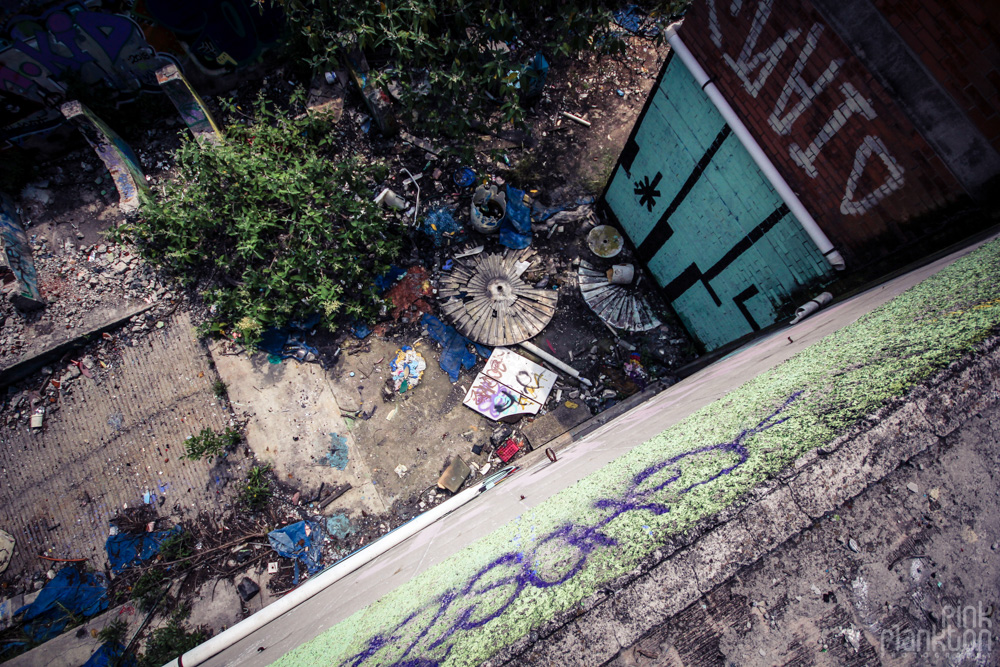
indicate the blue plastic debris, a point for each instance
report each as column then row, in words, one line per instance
column 300, row 541
column 440, row 225
column 361, row 330
column 337, row 458
column 288, row 342
column 533, row 77
column 632, row 20
column 464, row 177
column 126, row 550
column 515, row 228
column 455, row 354
column 539, row 214
column 70, row 593
column 389, row 278
column 111, row 654
column 339, row 526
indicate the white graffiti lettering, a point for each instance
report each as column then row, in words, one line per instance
column 854, row 103
column 870, row 146
column 748, row 61
column 796, row 84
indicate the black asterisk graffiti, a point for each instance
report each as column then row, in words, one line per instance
column 647, row 191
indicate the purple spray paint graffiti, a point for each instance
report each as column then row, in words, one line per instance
column 426, row 637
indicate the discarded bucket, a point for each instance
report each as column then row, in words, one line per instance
column 621, row 274
column 488, row 208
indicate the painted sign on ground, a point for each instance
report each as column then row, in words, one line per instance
column 509, row 386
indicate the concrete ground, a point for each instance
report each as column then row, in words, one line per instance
column 880, row 551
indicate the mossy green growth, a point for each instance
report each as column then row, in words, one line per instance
column 466, row 609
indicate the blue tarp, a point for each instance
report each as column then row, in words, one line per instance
column 301, row 541
column 455, row 354
column 534, row 76
column 126, row 550
column 72, row 592
column 515, row 228
column 287, row 342
column 111, row 655
column 389, row 278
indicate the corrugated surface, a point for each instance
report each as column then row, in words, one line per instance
column 98, row 452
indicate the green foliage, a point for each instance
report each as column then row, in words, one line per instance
column 209, row 443
column 171, row 640
column 176, row 546
column 220, row 389
column 148, row 589
column 113, row 632
column 281, row 227
column 256, row 491
column 457, row 64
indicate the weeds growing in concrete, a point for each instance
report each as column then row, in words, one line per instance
column 209, row 443
column 256, row 491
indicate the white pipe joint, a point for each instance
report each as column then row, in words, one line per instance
column 831, row 254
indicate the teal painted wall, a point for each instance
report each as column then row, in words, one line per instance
column 729, row 232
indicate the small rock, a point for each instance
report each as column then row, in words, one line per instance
column 913, row 487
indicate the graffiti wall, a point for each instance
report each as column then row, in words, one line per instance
column 821, row 110
column 51, row 52
column 17, row 267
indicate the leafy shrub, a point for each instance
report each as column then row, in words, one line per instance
column 279, row 227
column 208, row 443
column 171, row 640
column 148, row 589
column 256, row 491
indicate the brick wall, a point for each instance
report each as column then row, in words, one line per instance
column 834, row 133
column 958, row 41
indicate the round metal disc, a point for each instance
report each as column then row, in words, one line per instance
column 605, row 241
column 485, row 299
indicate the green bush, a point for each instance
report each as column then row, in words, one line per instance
column 171, row 640
column 278, row 225
column 209, row 443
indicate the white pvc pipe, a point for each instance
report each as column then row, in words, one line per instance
column 831, row 254
column 330, row 576
column 555, row 361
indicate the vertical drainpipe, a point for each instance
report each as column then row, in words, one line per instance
column 831, row 254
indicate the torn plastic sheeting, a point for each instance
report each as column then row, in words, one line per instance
column 126, row 550
column 533, row 77
column 111, row 654
column 361, row 330
column 296, row 541
column 287, row 342
column 440, row 225
column 630, row 19
column 515, row 228
column 337, row 458
column 455, row 354
column 540, row 214
column 70, row 593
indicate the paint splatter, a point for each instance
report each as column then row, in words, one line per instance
column 337, row 458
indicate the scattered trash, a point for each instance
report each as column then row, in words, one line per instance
column 605, row 241
column 630, row 19
column 389, row 198
column 337, row 456
column 400, row 470
column 533, row 79
column 129, row 549
column 110, row 654
column 339, row 526
column 296, row 541
column 572, row 405
column 487, row 209
column 361, row 330
column 454, row 475
column 407, row 368
column 509, row 386
column 853, row 546
column 810, row 307
column 441, row 226
column 6, row 550
column 409, row 292
column 455, row 354
column 486, row 300
column 247, row 589
column 577, row 119
column 549, row 452
column 272, row 567
column 515, row 227
column 287, row 342
column 621, row 306
column 70, row 594
column 635, row 372
column 38, row 417
column 507, row 451
column 470, row 252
